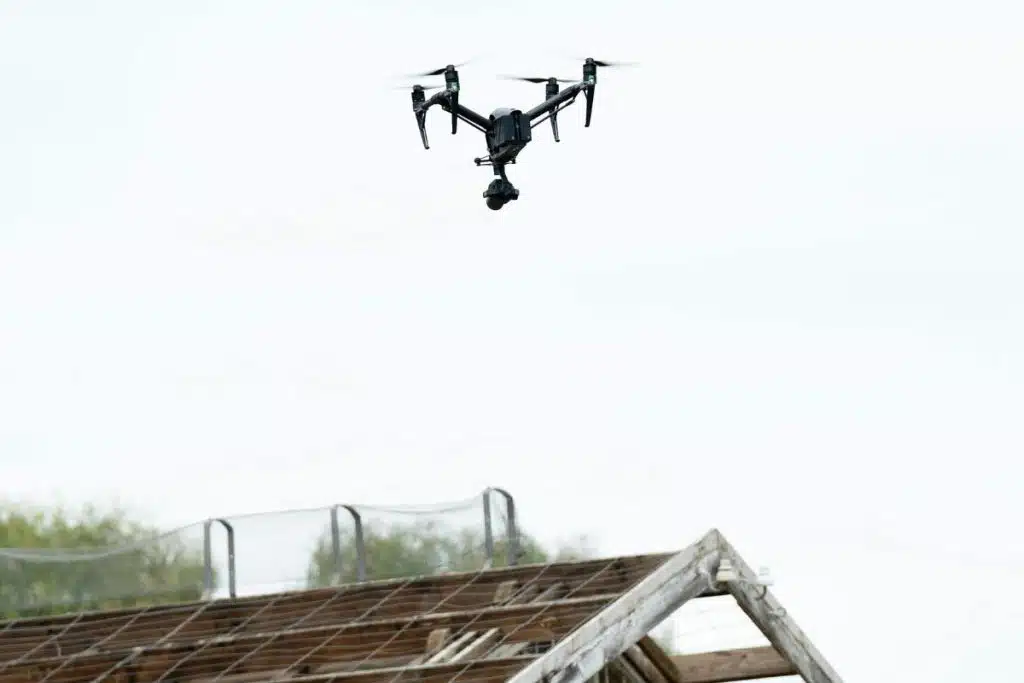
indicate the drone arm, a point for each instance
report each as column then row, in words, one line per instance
column 551, row 114
column 478, row 121
column 553, row 103
column 444, row 100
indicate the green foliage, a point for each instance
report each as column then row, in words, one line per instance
column 55, row 562
column 420, row 549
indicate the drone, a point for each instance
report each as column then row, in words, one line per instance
column 507, row 130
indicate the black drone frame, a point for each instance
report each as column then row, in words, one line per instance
column 507, row 131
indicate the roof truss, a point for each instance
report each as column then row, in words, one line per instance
column 609, row 634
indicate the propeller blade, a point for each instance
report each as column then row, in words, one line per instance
column 421, row 87
column 436, row 72
column 605, row 63
column 537, row 79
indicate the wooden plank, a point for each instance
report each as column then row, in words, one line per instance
column 482, row 643
column 492, row 638
column 527, row 594
column 649, row 672
column 733, row 665
column 367, row 665
column 478, row 671
column 312, row 646
column 452, row 648
column 471, row 642
column 625, row 671
column 775, row 623
column 505, row 591
column 552, row 592
column 437, row 640
column 660, row 659
column 335, row 667
column 257, row 677
column 481, row 671
column 508, row 650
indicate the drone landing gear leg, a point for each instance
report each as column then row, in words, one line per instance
column 500, row 191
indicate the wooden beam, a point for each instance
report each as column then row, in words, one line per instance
column 436, row 641
column 625, row 670
column 733, row 665
column 649, row 671
column 480, row 646
column 609, row 633
column 477, row 671
column 660, row 659
column 775, row 623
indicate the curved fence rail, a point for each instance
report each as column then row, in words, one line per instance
column 265, row 553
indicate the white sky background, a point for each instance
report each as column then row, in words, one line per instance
column 775, row 288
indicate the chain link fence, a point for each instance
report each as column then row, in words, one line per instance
column 265, row 553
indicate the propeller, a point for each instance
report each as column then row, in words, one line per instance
column 437, row 72
column 417, row 87
column 604, row 63
column 590, row 66
column 538, row 79
column 451, row 82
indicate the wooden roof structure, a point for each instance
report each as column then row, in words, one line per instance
column 568, row 622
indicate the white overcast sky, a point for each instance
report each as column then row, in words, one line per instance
column 774, row 289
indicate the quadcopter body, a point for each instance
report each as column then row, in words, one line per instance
column 507, row 131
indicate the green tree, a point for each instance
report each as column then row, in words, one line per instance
column 54, row 562
column 421, row 548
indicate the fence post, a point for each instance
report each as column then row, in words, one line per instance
column 230, row 529
column 335, row 545
column 488, row 530
column 207, row 560
column 208, row 557
column 511, row 528
column 360, row 542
